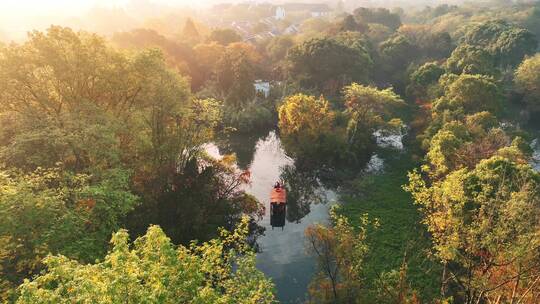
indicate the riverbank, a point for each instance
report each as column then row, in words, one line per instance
column 401, row 235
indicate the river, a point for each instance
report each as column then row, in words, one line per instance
column 283, row 256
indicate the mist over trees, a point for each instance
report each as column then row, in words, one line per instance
column 104, row 120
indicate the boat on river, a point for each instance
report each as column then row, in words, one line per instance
column 278, row 206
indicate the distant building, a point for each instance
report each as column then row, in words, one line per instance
column 242, row 27
column 314, row 9
column 280, row 13
column 260, row 37
column 262, row 87
column 291, row 29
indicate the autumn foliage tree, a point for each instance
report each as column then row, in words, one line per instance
column 485, row 229
column 305, row 123
column 340, row 251
column 114, row 124
column 153, row 270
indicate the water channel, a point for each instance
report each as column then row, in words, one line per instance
column 283, row 256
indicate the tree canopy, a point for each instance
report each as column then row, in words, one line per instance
column 469, row 59
column 52, row 211
column 153, row 270
column 224, row 36
column 472, row 93
column 507, row 43
column 326, row 65
column 484, row 225
column 527, row 78
column 379, row 15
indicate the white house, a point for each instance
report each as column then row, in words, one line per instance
column 292, row 29
column 319, row 10
column 262, row 87
column 316, row 14
column 280, row 13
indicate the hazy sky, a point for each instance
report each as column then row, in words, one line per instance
column 19, row 16
column 29, row 7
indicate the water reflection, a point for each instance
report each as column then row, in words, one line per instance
column 282, row 254
column 305, row 189
column 278, row 214
column 535, row 160
column 242, row 145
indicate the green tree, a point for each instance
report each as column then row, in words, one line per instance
column 485, row 229
column 527, row 78
column 89, row 106
column 326, row 65
column 467, row 59
column 378, row 33
column 424, row 80
column 507, row 43
column 307, row 126
column 471, row 93
column 370, row 109
column 431, row 44
column 396, row 54
column 236, row 72
column 349, row 24
column 398, row 50
column 177, row 54
column 224, row 36
column 208, row 194
column 314, row 26
column 379, row 15
column 51, row 211
column 153, row 270
column 532, row 22
column 305, row 118
column 356, row 41
column 464, row 144
column 278, row 47
column 207, row 56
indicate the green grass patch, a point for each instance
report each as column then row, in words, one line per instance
column 401, row 235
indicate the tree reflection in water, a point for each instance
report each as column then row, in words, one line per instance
column 243, row 145
column 303, row 189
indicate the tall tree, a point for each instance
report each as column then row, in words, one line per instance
column 340, row 251
column 306, row 124
column 424, row 80
column 236, row 72
column 190, row 31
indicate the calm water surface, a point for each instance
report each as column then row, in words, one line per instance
column 283, row 255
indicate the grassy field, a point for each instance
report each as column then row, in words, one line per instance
column 400, row 234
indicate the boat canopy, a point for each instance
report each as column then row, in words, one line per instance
column 278, row 195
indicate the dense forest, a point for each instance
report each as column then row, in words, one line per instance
column 107, row 194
